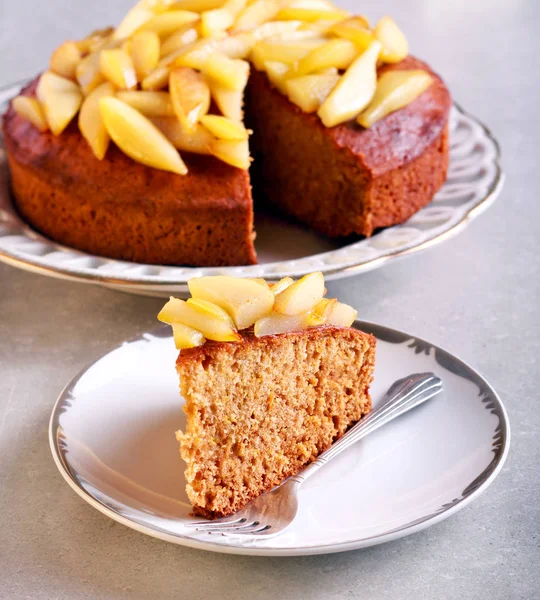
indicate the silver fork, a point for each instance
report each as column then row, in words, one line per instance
column 271, row 513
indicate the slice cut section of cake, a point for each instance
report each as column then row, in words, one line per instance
column 261, row 408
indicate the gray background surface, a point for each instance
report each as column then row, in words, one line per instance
column 477, row 295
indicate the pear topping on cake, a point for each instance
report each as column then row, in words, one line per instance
column 221, row 306
column 187, row 64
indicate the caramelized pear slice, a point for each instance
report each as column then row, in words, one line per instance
column 281, row 285
column 220, row 19
column 116, row 66
column 212, row 327
column 60, row 100
column 310, row 91
column 91, row 124
column 157, row 79
column 245, row 300
column 301, row 296
column 30, row 109
column 229, row 102
column 317, row 28
column 198, row 141
column 272, row 28
column 277, row 73
column 340, row 315
column 88, row 73
column 64, row 60
column 231, row 73
column 320, row 312
column 355, row 29
column 211, row 310
column 133, row 20
column 310, row 14
column 256, row 14
column 186, row 337
column 179, row 40
column 276, row 323
column 137, row 137
column 335, row 53
column 196, row 54
column 354, row 90
column 197, row 5
column 165, row 24
column 395, row 89
column 190, row 96
column 236, row 46
column 94, row 40
column 235, row 153
column 145, row 53
column 224, row 128
column 150, row 104
column 394, row 44
column 285, row 51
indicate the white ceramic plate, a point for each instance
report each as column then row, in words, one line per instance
column 284, row 249
column 112, row 437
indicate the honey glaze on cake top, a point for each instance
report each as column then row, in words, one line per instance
column 232, row 309
column 171, row 77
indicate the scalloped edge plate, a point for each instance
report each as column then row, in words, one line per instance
column 112, row 437
column 474, row 181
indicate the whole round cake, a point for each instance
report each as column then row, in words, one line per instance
column 350, row 134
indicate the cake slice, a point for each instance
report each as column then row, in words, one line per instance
column 262, row 407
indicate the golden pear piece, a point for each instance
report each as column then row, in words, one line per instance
column 310, row 91
column 145, row 53
column 116, row 66
column 197, row 5
column 394, row 44
column 198, row 141
column 150, row 104
column 229, row 102
column 340, row 315
column 88, row 73
column 30, row 109
column 335, row 53
column 165, row 24
column 281, row 285
column 256, row 14
column 211, row 310
column 219, row 20
column 64, row 60
column 271, row 28
column 186, row 337
column 91, row 124
column 301, row 296
column 355, row 29
column 277, row 73
column 283, row 51
column 137, row 137
column 245, row 300
column 276, row 323
column 190, row 96
column 354, row 90
column 235, row 153
column 157, row 79
column 200, row 319
column 134, row 19
column 60, row 100
column 231, row 73
column 395, row 89
column 179, row 40
column 310, row 14
column 224, row 128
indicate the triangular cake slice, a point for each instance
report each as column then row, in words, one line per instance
column 262, row 407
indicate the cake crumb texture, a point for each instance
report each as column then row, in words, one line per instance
column 259, row 410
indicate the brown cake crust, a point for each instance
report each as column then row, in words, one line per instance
column 252, row 423
column 346, row 179
column 122, row 209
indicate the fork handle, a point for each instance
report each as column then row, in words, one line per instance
column 402, row 395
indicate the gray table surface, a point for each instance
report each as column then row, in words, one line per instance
column 477, row 295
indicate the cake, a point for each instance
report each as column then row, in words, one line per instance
column 263, row 401
column 132, row 146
